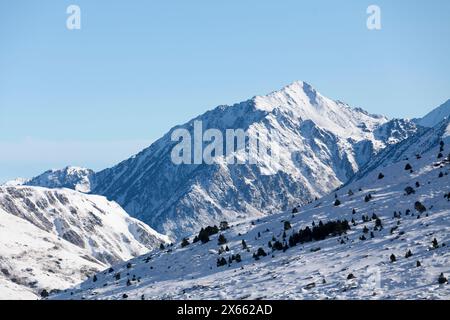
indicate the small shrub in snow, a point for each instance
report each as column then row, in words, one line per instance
column 287, row 225
column 221, row 240
column 420, row 207
column 442, row 279
column 409, row 190
column 184, row 242
column 408, row 254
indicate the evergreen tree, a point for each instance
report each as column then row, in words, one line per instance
column 295, row 210
column 44, row 293
column 337, row 203
column 161, row 246
column 442, row 279
column 409, row 190
column 184, row 242
column 94, row 278
column 408, row 167
column 222, row 240
column 238, row 258
column 287, row 225
column 420, row 207
column 418, row 264
column 393, row 258
column 435, row 243
column 244, row 245
column 261, row 252
column 408, row 254
column 380, row 176
column 221, row 262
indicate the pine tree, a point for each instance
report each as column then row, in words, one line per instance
column 435, row 243
column 222, row 240
column 408, row 254
column 337, row 203
column 244, row 245
column 420, row 207
column 295, row 210
column 161, row 246
column 418, row 264
column 442, row 279
column 408, row 167
column 238, row 258
column 221, row 262
column 380, row 176
column 94, row 278
column 393, row 258
column 287, row 225
column 184, row 242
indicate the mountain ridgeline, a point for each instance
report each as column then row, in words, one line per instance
column 321, row 143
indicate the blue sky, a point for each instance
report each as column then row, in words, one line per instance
column 94, row 96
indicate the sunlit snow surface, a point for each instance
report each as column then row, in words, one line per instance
column 300, row 273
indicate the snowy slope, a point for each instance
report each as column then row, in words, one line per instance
column 32, row 260
column 90, row 222
column 317, row 137
column 80, row 179
column 424, row 140
column 435, row 116
column 339, row 267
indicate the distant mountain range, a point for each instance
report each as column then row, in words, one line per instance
column 322, row 143
column 75, row 222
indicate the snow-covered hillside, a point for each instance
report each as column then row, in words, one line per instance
column 53, row 238
column 90, row 222
column 397, row 247
column 80, row 179
column 435, row 116
column 316, row 138
column 33, row 260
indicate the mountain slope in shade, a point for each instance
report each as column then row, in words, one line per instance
column 435, row 116
column 76, row 178
column 398, row 252
column 322, row 144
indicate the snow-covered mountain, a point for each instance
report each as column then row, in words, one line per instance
column 321, row 144
column 44, row 231
column 80, row 179
column 413, row 147
column 435, row 116
column 391, row 243
column 33, row 260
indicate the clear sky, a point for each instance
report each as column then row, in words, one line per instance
column 92, row 97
